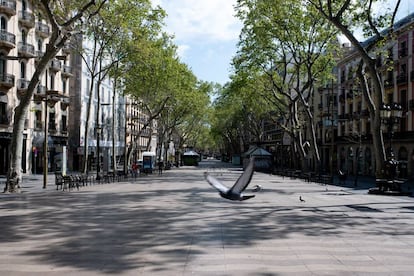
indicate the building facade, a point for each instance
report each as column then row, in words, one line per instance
column 23, row 39
column 115, row 127
column 355, row 150
column 58, row 108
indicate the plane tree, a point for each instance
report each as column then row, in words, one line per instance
column 238, row 115
column 193, row 127
column 151, row 78
column 64, row 18
column 290, row 45
column 350, row 17
column 107, row 47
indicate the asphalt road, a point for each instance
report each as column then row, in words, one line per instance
column 176, row 224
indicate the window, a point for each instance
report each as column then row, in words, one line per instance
column 403, row 49
column 403, row 69
column 403, row 99
column 64, row 123
column 22, row 70
column 3, row 113
column 24, row 37
column 64, row 86
column 52, row 82
column 3, row 24
column 40, row 45
column 52, row 125
column 38, row 119
column 3, row 67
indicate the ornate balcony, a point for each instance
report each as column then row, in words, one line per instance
column 8, row 7
column 6, row 81
column 67, row 49
column 7, row 40
column 64, row 103
column 67, row 71
column 27, row 19
column 55, row 65
column 26, row 50
column 42, row 29
column 22, row 84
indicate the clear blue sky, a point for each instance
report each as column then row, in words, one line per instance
column 206, row 33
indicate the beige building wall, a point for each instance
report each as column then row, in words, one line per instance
column 23, row 39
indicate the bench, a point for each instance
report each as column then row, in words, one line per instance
column 67, row 182
column 59, row 181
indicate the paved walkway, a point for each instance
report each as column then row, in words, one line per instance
column 176, row 224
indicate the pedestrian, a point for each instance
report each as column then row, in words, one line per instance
column 134, row 169
column 160, row 167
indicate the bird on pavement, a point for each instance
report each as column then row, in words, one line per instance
column 235, row 192
column 301, row 199
column 256, row 188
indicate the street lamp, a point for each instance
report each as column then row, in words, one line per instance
column 49, row 101
column 98, row 160
column 391, row 115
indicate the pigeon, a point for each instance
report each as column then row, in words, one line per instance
column 256, row 188
column 301, row 199
column 235, row 192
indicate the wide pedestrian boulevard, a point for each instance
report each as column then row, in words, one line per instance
column 176, row 224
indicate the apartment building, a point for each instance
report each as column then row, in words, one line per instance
column 355, row 151
column 58, row 108
column 115, row 126
column 23, row 38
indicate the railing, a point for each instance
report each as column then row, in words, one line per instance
column 55, row 64
column 26, row 49
column 67, row 70
column 8, row 6
column 27, row 18
column 42, row 28
column 7, row 80
column 7, row 37
column 22, row 84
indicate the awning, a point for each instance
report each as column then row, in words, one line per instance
column 191, row 153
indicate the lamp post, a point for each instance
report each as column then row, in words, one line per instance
column 391, row 115
column 45, row 163
column 98, row 158
column 48, row 101
column 358, row 157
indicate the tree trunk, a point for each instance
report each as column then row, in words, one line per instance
column 86, row 130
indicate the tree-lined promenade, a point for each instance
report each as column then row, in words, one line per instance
column 287, row 50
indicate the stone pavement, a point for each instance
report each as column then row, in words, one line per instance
column 176, row 224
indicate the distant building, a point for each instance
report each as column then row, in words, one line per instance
column 120, row 121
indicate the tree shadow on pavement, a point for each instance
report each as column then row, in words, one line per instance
column 160, row 222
